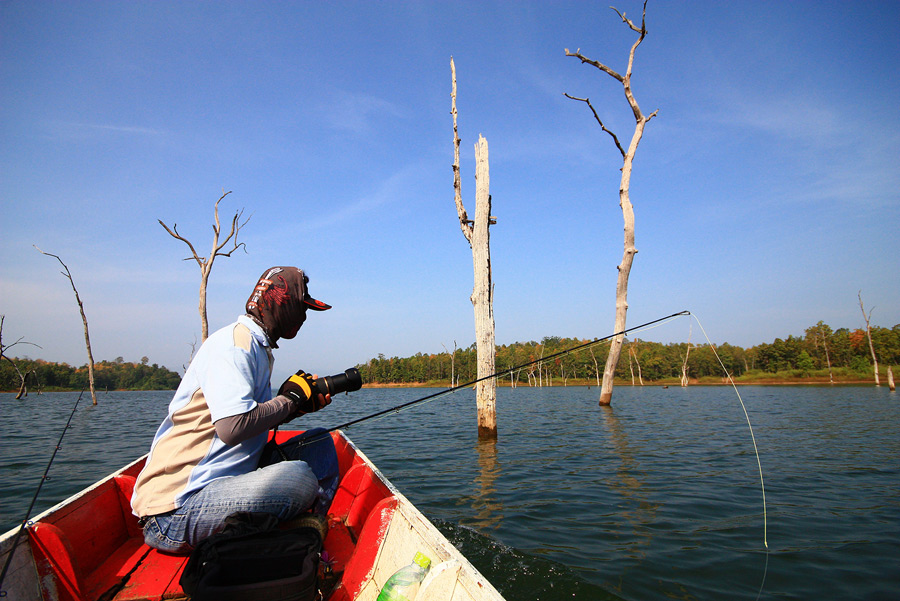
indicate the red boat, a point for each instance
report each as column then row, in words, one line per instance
column 90, row 548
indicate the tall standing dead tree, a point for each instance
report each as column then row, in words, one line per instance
column 867, row 317
column 206, row 263
column 87, row 336
column 624, row 198
column 478, row 235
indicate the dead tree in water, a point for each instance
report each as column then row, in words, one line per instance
column 206, row 263
column 87, row 336
column 624, row 199
column 478, row 235
column 869, row 335
column 23, row 378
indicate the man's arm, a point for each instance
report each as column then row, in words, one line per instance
column 265, row 416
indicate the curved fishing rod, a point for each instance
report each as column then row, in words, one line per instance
column 504, row 372
column 44, row 478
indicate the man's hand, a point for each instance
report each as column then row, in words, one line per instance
column 304, row 394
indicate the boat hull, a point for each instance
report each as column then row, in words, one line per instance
column 90, row 546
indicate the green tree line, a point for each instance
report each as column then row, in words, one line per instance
column 794, row 357
column 109, row 375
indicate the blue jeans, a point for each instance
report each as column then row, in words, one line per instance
column 316, row 448
column 283, row 489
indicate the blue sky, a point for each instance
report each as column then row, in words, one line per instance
column 765, row 191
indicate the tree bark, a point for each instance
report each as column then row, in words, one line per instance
column 482, row 296
column 477, row 233
column 629, row 251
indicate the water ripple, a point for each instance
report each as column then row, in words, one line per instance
column 655, row 497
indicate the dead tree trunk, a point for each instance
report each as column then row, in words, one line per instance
column 684, row 367
column 87, row 336
column 624, row 198
column 631, row 365
column 596, row 367
column 684, row 363
column 452, row 363
column 206, row 263
column 633, row 353
column 477, row 233
column 869, row 335
column 827, row 356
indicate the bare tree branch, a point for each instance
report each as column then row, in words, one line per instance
column 643, row 29
column 178, row 236
column 87, row 336
column 597, row 117
column 23, row 389
column 577, row 54
column 206, row 263
column 466, row 225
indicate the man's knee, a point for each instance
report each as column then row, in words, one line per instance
column 292, row 481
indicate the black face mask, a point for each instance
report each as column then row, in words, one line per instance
column 280, row 301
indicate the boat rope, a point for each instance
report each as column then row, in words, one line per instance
column 44, row 478
column 504, row 372
column 749, row 425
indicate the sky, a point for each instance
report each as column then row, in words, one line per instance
column 766, row 190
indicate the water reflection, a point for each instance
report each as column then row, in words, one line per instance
column 488, row 511
column 640, row 512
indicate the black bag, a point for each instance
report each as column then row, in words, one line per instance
column 251, row 559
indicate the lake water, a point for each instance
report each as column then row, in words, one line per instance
column 656, row 497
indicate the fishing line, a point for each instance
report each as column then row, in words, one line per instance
column 504, row 372
column 749, row 425
column 44, row 478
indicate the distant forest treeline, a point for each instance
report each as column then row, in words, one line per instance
column 111, row 375
column 784, row 359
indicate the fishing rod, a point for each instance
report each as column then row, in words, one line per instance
column 44, row 478
column 504, row 372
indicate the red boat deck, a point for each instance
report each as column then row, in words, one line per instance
column 92, row 548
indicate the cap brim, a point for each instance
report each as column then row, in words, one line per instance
column 315, row 305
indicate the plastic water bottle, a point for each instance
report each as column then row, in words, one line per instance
column 404, row 583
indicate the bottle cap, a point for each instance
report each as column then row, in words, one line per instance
column 422, row 561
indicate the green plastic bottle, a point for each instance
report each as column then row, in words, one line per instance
column 404, row 583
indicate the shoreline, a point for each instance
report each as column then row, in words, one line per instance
column 661, row 384
column 558, row 384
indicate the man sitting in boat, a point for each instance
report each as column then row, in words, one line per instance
column 204, row 462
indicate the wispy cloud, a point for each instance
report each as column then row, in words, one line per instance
column 388, row 191
column 75, row 129
column 356, row 113
column 819, row 144
column 798, row 118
